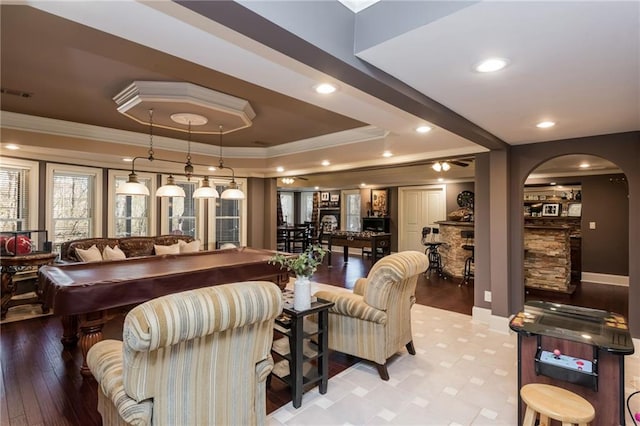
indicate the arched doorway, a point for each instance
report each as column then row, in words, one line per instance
column 623, row 149
column 576, row 233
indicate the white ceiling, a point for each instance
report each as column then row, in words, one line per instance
column 572, row 62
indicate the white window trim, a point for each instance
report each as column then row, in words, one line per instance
column 164, row 208
column 111, row 200
column 34, row 175
column 343, row 207
column 97, row 198
column 242, row 185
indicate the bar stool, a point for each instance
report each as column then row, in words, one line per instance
column 431, row 244
column 551, row 402
column 467, row 274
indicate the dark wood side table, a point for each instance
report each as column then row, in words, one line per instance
column 10, row 265
column 291, row 324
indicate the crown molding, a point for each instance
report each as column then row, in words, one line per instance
column 31, row 123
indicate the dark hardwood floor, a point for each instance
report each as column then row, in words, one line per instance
column 40, row 382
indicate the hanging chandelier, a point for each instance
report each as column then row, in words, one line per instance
column 134, row 187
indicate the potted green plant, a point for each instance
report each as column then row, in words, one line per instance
column 303, row 265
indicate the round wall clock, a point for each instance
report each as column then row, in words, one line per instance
column 465, row 199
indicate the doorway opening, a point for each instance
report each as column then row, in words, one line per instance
column 576, row 233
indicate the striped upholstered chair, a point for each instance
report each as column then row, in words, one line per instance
column 199, row 357
column 374, row 322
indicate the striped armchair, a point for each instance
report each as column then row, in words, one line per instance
column 199, row 357
column 374, row 321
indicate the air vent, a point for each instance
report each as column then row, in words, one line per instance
column 14, row 92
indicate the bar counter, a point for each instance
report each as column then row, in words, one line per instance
column 451, row 252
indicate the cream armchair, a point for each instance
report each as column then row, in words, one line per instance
column 374, row 322
column 199, row 357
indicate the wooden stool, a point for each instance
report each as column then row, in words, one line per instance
column 552, row 402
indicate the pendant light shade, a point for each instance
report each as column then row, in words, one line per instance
column 170, row 189
column 132, row 187
column 232, row 192
column 206, row 191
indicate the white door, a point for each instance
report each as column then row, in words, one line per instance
column 419, row 207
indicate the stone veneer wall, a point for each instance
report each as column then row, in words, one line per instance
column 451, row 252
column 547, row 258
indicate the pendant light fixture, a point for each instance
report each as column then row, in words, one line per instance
column 206, row 191
column 232, row 192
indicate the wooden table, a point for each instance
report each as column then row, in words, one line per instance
column 291, row 325
column 378, row 242
column 294, row 238
column 86, row 294
column 591, row 345
column 10, row 265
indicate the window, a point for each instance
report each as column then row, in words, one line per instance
column 131, row 215
column 351, row 210
column 18, row 179
column 74, row 207
column 306, row 206
column 227, row 220
column 286, row 202
column 181, row 215
column 230, row 219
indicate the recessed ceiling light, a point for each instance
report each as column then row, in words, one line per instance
column 545, row 124
column 326, row 163
column 423, row 129
column 325, row 88
column 585, row 165
column 363, row 184
column 440, row 179
column 211, row 168
column 12, row 147
column 316, row 187
column 280, row 169
column 387, row 154
column 127, row 160
column 492, row 65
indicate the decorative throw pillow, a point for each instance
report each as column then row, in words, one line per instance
column 92, row 254
column 172, row 249
column 113, row 253
column 191, row 247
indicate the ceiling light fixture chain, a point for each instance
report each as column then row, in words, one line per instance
column 188, row 167
column 170, row 189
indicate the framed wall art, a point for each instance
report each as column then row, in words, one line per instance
column 551, row 209
column 379, row 202
column 574, row 210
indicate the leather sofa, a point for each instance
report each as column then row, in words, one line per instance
column 131, row 246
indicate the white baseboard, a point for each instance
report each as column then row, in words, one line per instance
column 594, row 277
column 496, row 323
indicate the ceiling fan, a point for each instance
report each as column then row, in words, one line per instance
column 444, row 165
column 289, row 180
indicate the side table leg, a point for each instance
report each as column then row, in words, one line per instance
column 8, row 288
column 295, row 369
column 323, row 346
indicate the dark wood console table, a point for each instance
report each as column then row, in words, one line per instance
column 378, row 242
column 10, row 266
column 575, row 348
column 291, row 368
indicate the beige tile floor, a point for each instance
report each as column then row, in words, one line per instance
column 462, row 374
